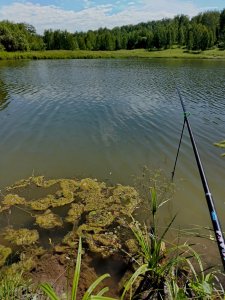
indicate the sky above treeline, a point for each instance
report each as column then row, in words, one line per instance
column 82, row 15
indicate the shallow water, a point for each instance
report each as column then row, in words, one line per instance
column 108, row 118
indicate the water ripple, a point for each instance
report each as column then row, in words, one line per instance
column 101, row 117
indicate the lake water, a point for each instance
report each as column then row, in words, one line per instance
column 108, row 118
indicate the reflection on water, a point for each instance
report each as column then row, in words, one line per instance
column 109, row 118
column 3, row 96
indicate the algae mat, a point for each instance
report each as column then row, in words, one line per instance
column 100, row 214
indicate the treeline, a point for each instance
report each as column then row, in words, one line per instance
column 201, row 32
column 19, row 37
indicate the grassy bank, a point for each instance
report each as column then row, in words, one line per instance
column 137, row 53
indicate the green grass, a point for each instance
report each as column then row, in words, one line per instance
column 137, row 53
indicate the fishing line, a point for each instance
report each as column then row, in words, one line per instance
column 208, row 196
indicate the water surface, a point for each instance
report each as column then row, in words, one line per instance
column 108, row 118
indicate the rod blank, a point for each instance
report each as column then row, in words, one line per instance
column 209, row 199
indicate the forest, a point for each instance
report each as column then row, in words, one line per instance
column 203, row 31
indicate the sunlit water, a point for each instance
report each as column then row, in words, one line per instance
column 108, row 118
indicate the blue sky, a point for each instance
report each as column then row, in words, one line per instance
column 80, row 15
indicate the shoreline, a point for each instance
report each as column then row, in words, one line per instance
column 177, row 53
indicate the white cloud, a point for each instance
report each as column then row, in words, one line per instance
column 92, row 17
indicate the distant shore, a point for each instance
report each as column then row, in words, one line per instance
column 137, row 53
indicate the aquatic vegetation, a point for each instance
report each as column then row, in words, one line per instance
column 69, row 186
column 128, row 197
column 71, row 239
column 221, row 144
column 91, row 193
column 100, row 218
column 48, row 220
column 103, row 243
column 21, row 236
column 42, row 204
column 11, row 200
column 132, row 246
column 38, row 181
column 75, row 212
column 19, row 184
column 4, row 254
column 85, row 229
column 23, row 266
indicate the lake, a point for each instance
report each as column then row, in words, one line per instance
column 106, row 119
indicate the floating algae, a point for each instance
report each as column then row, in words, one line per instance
column 104, row 244
column 42, row 204
column 24, row 265
column 19, row 184
column 132, row 246
column 21, row 236
column 38, row 181
column 98, row 213
column 75, row 212
column 221, row 144
column 4, row 253
column 11, row 200
column 48, row 220
column 128, row 197
column 91, row 193
column 84, row 229
column 100, row 218
column 71, row 239
column 69, row 186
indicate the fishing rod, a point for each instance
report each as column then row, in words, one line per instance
column 209, row 199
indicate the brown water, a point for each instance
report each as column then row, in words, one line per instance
column 108, row 118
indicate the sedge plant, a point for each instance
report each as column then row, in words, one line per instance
column 154, row 266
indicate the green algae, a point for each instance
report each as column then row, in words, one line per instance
column 71, row 239
column 43, row 203
column 132, row 246
column 95, row 211
column 91, row 193
column 20, row 267
column 75, row 212
column 100, row 218
column 21, row 236
column 4, row 254
column 38, row 181
column 84, row 229
column 48, row 220
column 19, row 184
column 11, row 200
column 128, row 197
column 69, row 186
column 104, row 244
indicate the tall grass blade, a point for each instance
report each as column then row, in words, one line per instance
column 103, row 291
column 48, row 289
column 77, row 272
column 101, row 298
column 141, row 270
column 94, row 285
